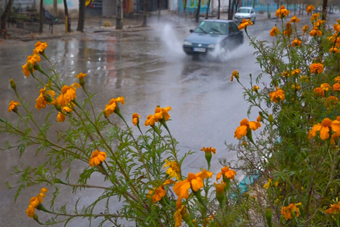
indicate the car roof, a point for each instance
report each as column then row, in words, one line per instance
column 215, row 20
column 246, row 7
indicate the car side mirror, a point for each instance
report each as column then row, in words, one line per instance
column 191, row 30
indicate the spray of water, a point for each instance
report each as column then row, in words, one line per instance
column 172, row 42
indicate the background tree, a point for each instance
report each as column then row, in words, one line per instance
column 5, row 16
column 144, row 14
column 81, row 17
column 208, row 7
column 55, row 8
column 119, row 17
column 229, row 10
column 67, row 19
column 41, row 18
column 198, row 11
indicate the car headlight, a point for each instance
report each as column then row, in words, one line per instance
column 187, row 43
column 211, row 45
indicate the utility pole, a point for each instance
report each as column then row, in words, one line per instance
column 119, row 18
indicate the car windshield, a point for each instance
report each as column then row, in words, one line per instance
column 243, row 10
column 212, row 27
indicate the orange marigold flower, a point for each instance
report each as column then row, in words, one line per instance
column 45, row 97
column 135, row 119
column 12, row 106
column 234, row 74
column 245, row 125
column 324, row 128
column 296, row 42
column 274, row 32
column 68, row 94
column 30, row 211
column 255, row 88
column 31, row 61
column 315, row 32
column 209, row 149
column 157, row 194
column 282, row 12
column 334, row 50
column 244, row 24
column 304, row 78
column 61, row 117
column 315, row 16
column 331, row 100
column 81, row 75
column 294, row 19
column 337, row 79
column 288, row 31
column 97, row 157
column 288, row 210
column 285, row 73
column 334, row 209
column 336, row 87
column 226, row 173
column 34, row 202
column 325, row 87
column 310, row 8
column 305, row 29
column 173, row 170
column 279, row 94
column 296, row 71
column 316, row 68
column 178, row 215
column 150, row 120
column 336, row 27
column 296, row 86
column 258, row 119
column 39, row 47
column 194, row 181
column 319, row 91
column 220, row 187
column 161, row 113
column 110, row 108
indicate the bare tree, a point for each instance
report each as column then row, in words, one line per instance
column 144, row 15
column 229, row 10
column 5, row 16
column 119, row 18
column 208, row 7
column 218, row 9
column 324, row 9
column 41, row 20
column 67, row 19
column 198, row 11
column 81, row 16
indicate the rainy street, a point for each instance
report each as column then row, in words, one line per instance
column 147, row 68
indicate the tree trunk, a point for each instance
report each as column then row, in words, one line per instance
column 81, row 16
column 119, row 18
column 55, row 8
column 5, row 16
column 144, row 16
column 232, row 10
column 254, row 4
column 67, row 19
column 229, row 9
column 41, row 21
column 207, row 13
column 218, row 9
column 185, row 8
column 324, row 9
column 198, row 11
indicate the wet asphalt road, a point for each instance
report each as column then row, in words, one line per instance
column 148, row 68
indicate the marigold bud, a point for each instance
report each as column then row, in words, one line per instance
column 13, row 85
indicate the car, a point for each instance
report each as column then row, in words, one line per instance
column 245, row 13
column 213, row 36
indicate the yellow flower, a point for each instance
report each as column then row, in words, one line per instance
column 334, row 209
column 244, row 24
column 25, row 70
column 331, row 101
column 282, row 12
column 150, row 120
column 226, row 172
column 334, row 50
column 315, row 16
column 178, row 216
column 30, row 211
column 336, row 27
column 244, row 126
column 220, row 187
column 173, row 170
column 310, row 8
column 294, row 19
column 268, row 184
column 305, row 29
column 162, row 112
column 316, row 68
column 296, row 86
column 68, row 94
column 319, row 91
column 209, row 149
column 61, row 117
column 135, row 119
column 285, row 73
column 337, row 79
column 39, row 47
column 34, row 202
column 110, row 108
column 288, row 31
column 315, row 32
column 81, row 75
column 324, row 128
column 97, row 157
column 296, row 71
column 194, row 181
column 336, row 87
column 43, row 190
column 234, row 74
column 12, row 106
column 158, row 194
column 45, row 97
column 318, row 23
column 279, row 94
column 258, row 119
column 325, row 86
column 274, row 32
column 296, row 42
column 255, row 88
column 288, row 210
